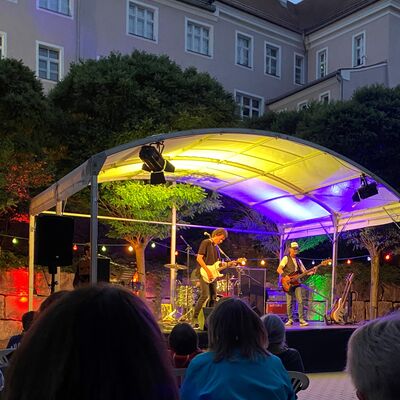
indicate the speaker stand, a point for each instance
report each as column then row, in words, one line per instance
column 53, row 283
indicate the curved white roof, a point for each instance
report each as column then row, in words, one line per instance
column 300, row 186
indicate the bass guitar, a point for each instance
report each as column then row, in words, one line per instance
column 217, row 267
column 337, row 313
column 293, row 279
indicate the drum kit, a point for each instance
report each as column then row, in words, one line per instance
column 187, row 294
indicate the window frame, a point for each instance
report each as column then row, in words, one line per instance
column 302, row 105
column 60, row 50
column 317, row 71
column 251, row 50
column 354, row 49
column 324, row 94
column 251, row 96
column 210, row 37
column 55, row 12
column 3, row 46
column 279, row 60
column 155, row 11
column 303, row 75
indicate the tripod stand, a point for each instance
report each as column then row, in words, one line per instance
column 53, row 283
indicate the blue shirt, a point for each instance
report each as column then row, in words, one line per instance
column 241, row 379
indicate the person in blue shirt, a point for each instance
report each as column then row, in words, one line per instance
column 237, row 365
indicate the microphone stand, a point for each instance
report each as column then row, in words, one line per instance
column 188, row 251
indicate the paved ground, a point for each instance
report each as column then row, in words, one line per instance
column 329, row 386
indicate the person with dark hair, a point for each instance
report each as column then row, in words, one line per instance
column 27, row 320
column 208, row 254
column 82, row 273
column 51, row 299
column 94, row 343
column 238, row 366
column 184, row 345
column 373, row 355
column 275, row 328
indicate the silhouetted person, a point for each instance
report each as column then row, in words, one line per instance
column 95, row 343
column 275, row 328
column 238, row 366
column 373, row 356
column 184, row 345
column 82, row 273
column 27, row 320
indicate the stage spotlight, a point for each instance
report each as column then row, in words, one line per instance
column 365, row 190
column 154, row 162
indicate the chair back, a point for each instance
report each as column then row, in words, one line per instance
column 300, row 381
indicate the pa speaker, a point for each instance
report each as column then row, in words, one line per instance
column 53, row 240
column 103, row 269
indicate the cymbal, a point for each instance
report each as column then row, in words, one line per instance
column 175, row 266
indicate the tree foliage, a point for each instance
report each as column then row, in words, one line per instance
column 124, row 97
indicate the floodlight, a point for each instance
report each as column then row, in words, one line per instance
column 154, row 162
column 365, row 190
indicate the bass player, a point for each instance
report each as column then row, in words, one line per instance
column 289, row 264
column 208, row 254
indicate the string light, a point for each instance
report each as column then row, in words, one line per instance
column 387, row 257
column 368, row 258
column 262, row 262
column 313, row 262
column 15, row 241
column 348, row 262
column 177, row 253
column 103, row 249
column 153, row 245
column 75, row 247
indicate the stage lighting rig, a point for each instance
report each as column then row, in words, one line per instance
column 154, row 162
column 365, row 190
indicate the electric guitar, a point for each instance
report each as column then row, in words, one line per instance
column 337, row 312
column 293, row 279
column 217, row 267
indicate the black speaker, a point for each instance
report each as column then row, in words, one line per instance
column 53, row 240
column 103, row 269
column 253, row 288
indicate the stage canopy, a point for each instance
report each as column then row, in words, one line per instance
column 304, row 188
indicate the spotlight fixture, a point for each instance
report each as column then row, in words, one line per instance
column 365, row 190
column 154, row 162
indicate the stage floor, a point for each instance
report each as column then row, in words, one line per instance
column 322, row 347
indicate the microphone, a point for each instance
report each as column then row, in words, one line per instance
column 206, row 234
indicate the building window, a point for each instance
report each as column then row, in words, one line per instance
column 2, row 45
column 322, row 63
column 198, row 38
column 142, row 21
column 249, row 106
column 272, row 60
column 244, row 50
column 58, row 6
column 49, row 62
column 359, row 50
column 298, row 69
column 325, row 97
column 302, row 106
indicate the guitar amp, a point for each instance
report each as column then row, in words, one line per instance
column 276, row 307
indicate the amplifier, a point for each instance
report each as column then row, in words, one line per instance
column 275, row 307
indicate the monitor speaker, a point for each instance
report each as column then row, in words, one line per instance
column 53, row 240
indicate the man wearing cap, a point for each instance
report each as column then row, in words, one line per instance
column 288, row 265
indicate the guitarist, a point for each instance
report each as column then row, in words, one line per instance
column 208, row 254
column 289, row 264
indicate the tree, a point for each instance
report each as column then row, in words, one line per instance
column 25, row 162
column 125, row 97
column 376, row 241
column 137, row 200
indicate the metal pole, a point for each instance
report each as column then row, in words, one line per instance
column 335, row 240
column 94, row 212
column 58, row 275
column 173, row 259
column 31, row 265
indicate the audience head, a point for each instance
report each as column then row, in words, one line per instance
column 234, row 328
column 27, row 320
column 52, row 299
column 98, row 342
column 183, row 339
column 373, row 359
column 275, row 330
